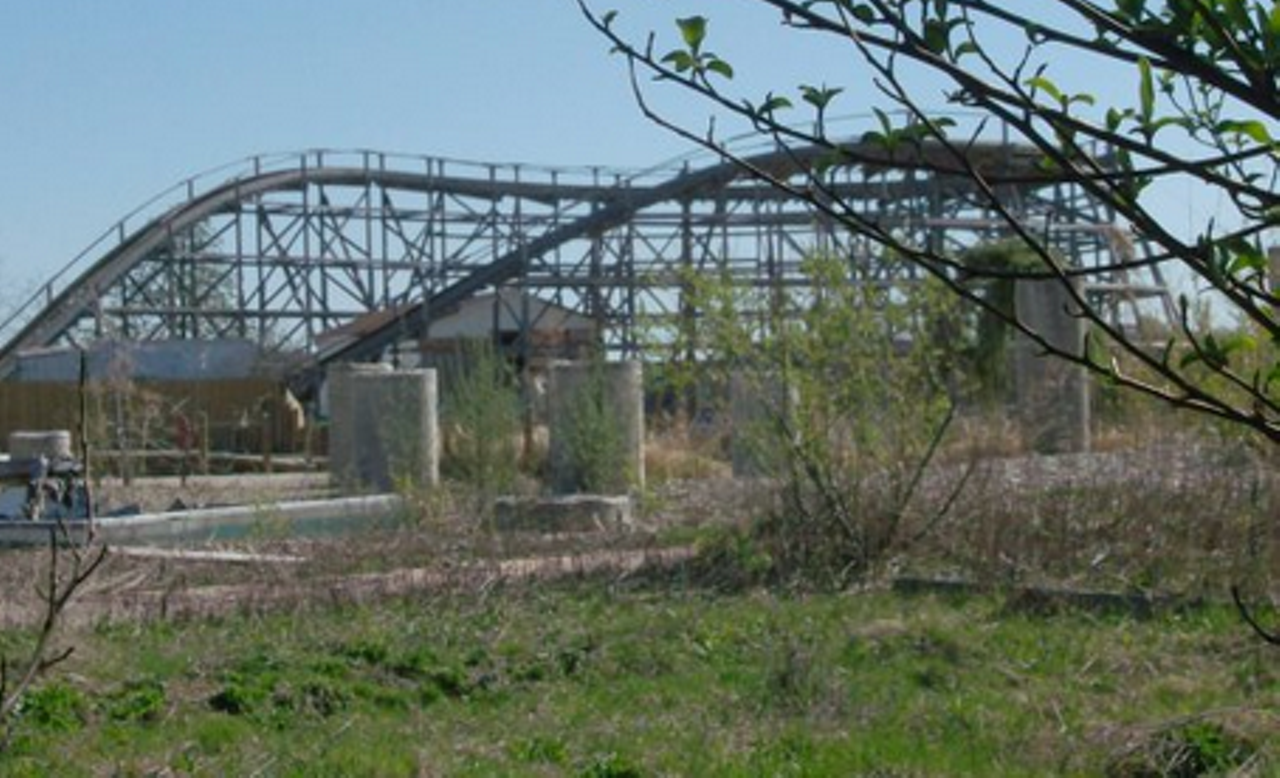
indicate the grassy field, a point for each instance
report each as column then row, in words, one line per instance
column 600, row 678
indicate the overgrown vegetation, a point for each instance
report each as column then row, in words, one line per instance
column 840, row 398
column 1200, row 114
column 591, row 679
column 481, row 416
column 589, row 448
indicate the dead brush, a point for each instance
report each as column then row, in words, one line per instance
column 676, row 453
column 1181, row 520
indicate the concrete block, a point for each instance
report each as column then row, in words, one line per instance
column 342, row 418
column 396, row 437
column 608, row 396
column 1052, row 394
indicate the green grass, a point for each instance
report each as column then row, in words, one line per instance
column 594, row 680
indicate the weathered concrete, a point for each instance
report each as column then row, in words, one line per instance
column 618, row 389
column 396, row 438
column 1052, row 394
column 206, row 524
column 342, row 419
column 565, row 513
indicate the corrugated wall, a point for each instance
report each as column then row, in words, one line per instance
column 234, row 413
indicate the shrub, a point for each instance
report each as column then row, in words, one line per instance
column 848, row 405
column 137, row 701
column 56, row 707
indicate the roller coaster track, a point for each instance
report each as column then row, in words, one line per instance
column 283, row 249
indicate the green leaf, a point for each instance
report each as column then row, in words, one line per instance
column 1243, row 257
column 694, row 30
column 937, row 36
column 1255, row 130
column 819, row 97
column 1146, row 89
column 1273, row 376
column 864, row 13
column 1116, row 117
column 720, row 67
column 885, row 125
column 681, row 60
column 1045, row 85
column 1131, row 10
column 773, row 103
column 1238, row 15
column 1213, row 352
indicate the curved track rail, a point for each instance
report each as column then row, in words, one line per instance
column 287, row 249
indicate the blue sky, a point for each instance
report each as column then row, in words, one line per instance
column 105, row 104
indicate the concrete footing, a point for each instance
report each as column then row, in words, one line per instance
column 385, row 430
column 342, row 419
column 1052, row 394
column 566, row 513
column 202, row 525
column 590, row 406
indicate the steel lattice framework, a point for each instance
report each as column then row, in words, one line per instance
column 280, row 249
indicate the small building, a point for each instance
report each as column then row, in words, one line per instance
column 554, row 332
column 166, row 360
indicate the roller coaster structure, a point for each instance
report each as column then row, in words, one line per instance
column 280, row 249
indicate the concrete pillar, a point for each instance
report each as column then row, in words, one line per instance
column 396, row 440
column 755, row 401
column 584, row 441
column 1053, row 395
column 342, row 418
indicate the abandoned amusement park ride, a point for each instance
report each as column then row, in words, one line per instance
column 262, row 275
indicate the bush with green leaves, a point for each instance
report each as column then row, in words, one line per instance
column 850, row 405
column 1136, row 104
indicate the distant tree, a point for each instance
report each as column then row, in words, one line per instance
column 1205, row 106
